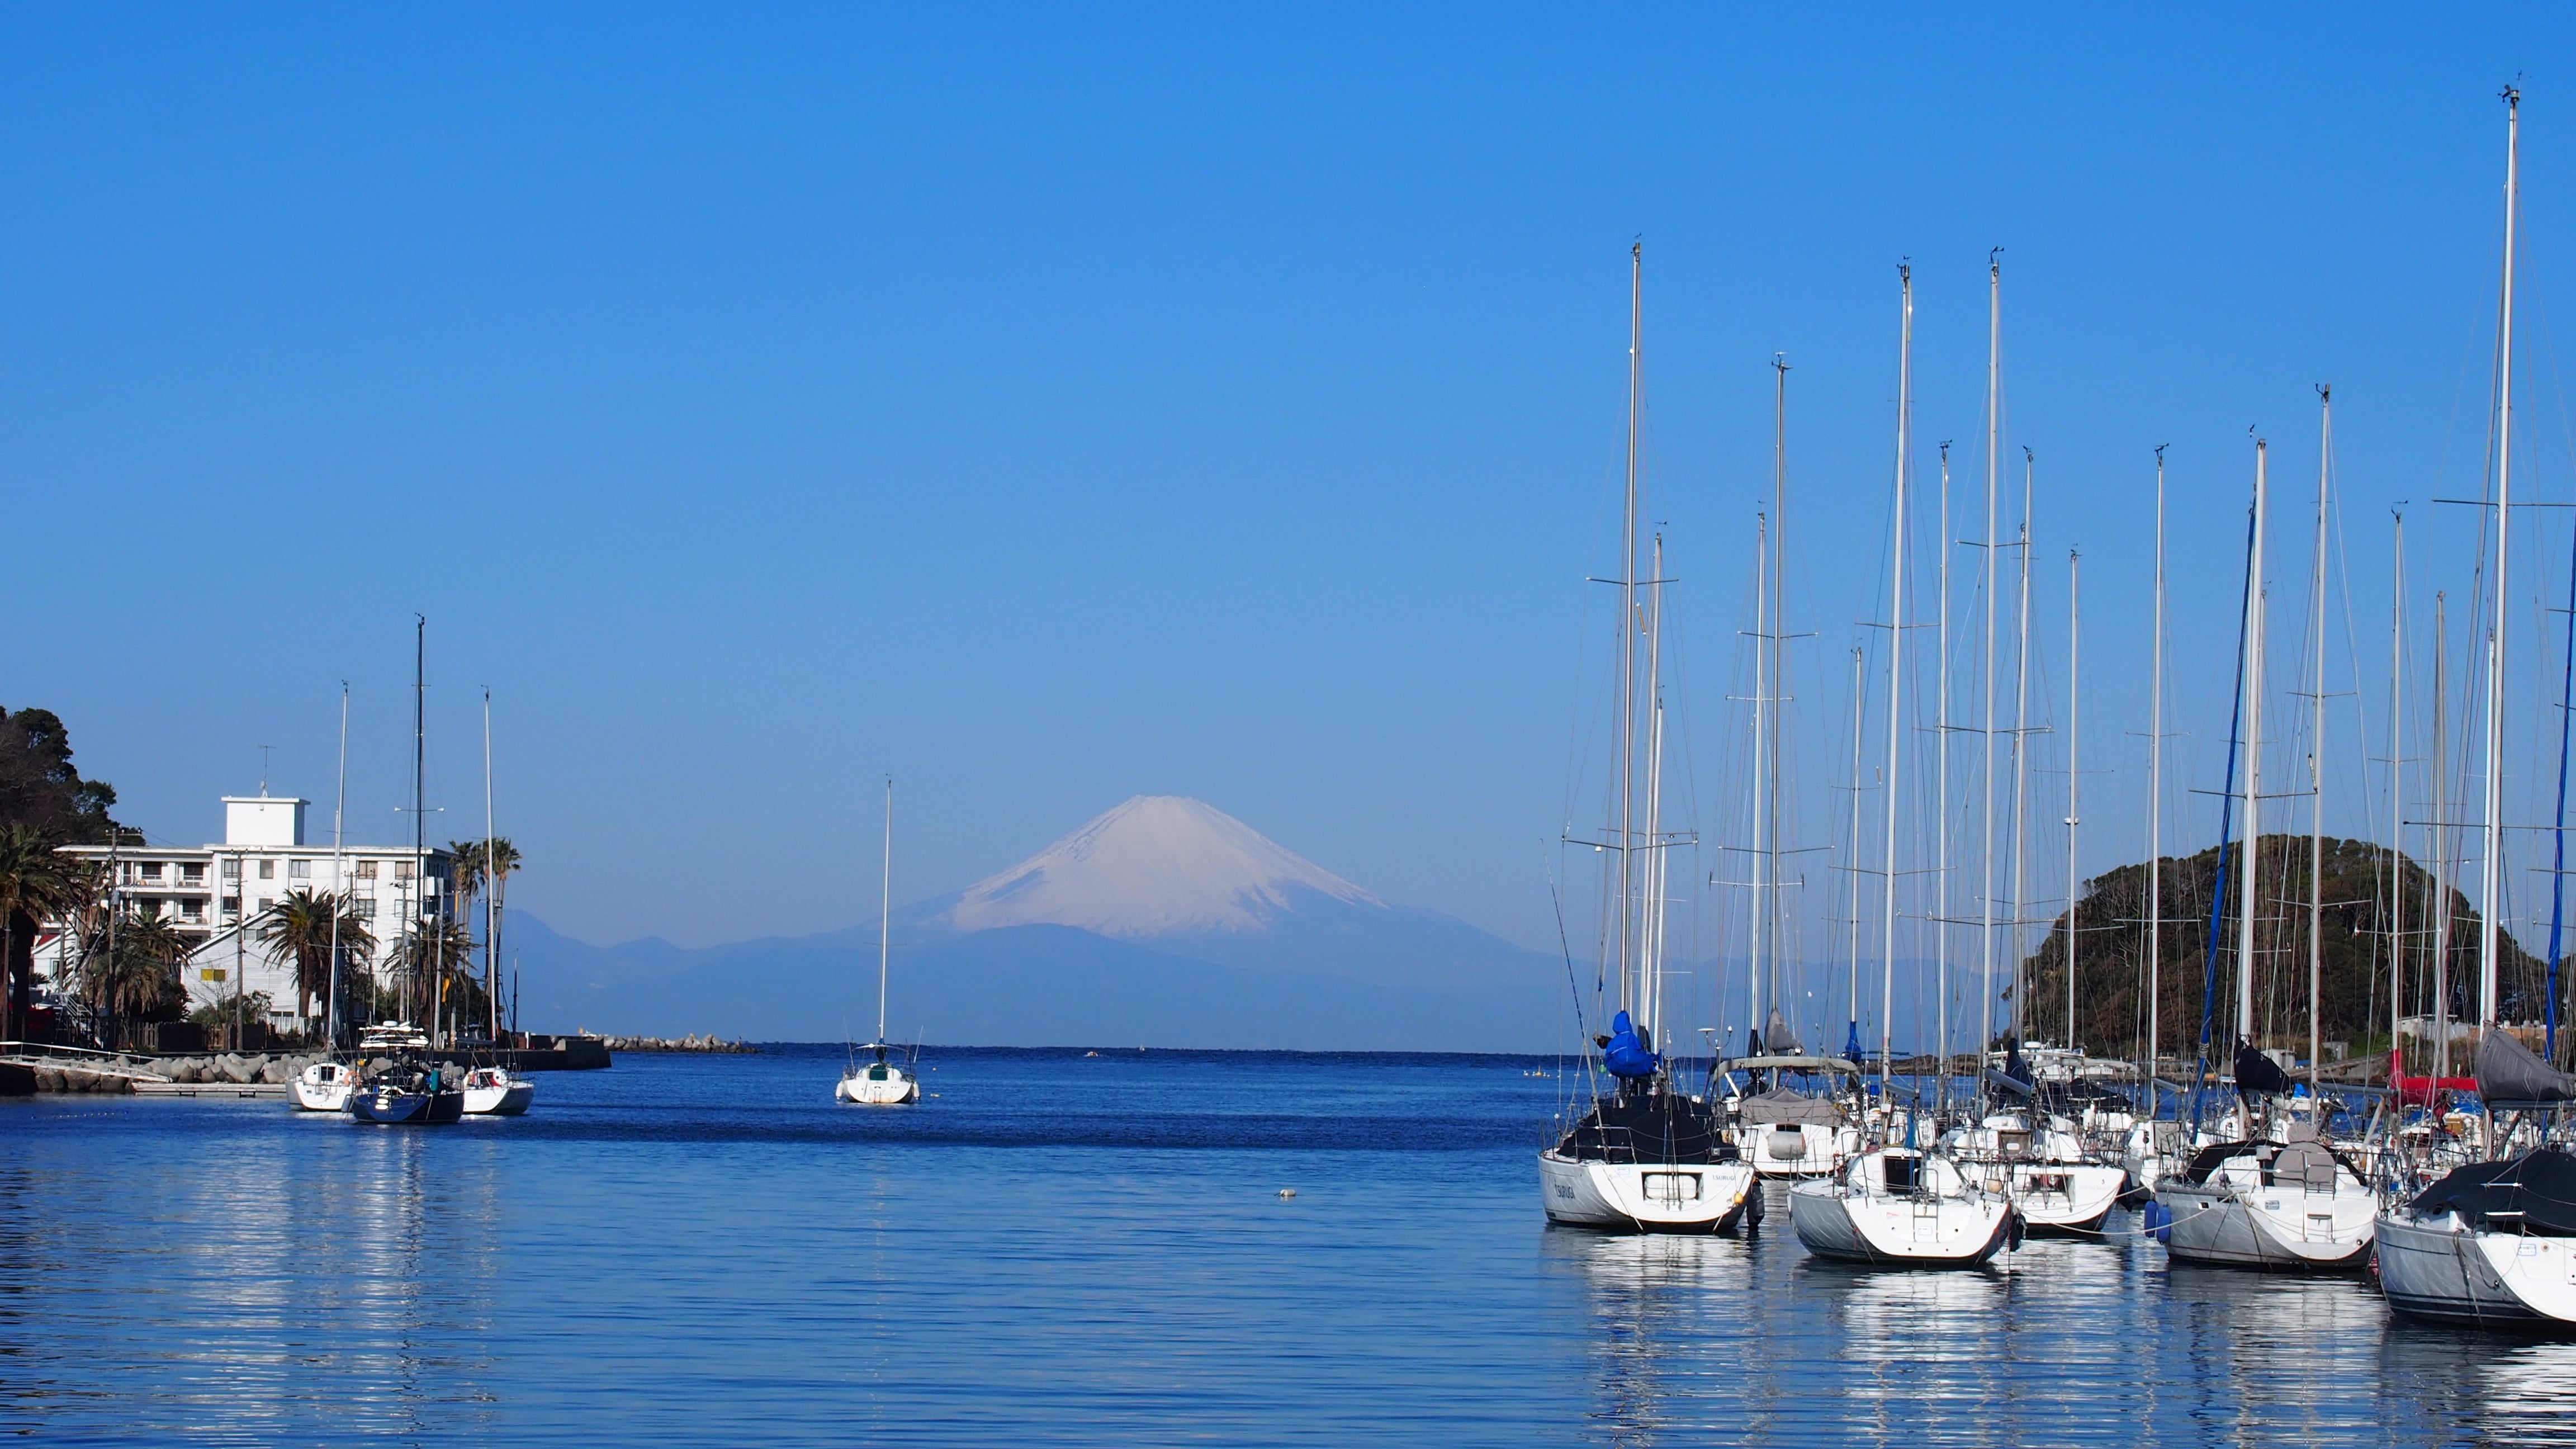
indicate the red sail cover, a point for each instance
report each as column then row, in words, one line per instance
column 2419, row 1091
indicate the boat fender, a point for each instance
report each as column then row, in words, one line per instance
column 2158, row 1221
column 2014, row 1229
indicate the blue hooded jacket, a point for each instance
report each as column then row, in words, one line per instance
column 1626, row 1055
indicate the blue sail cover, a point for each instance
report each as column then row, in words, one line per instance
column 1626, row 1055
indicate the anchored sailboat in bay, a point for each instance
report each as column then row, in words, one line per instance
column 880, row 1081
column 1639, row 1154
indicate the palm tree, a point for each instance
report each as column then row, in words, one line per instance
column 36, row 881
column 141, row 976
column 300, row 927
column 465, row 875
column 440, row 964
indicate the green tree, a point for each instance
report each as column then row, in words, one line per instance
column 139, row 979
column 36, row 882
column 300, row 927
column 39, row 786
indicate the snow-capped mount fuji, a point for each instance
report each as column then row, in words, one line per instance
column 1189, row 880
column 1159, row 865
column 1164, row 920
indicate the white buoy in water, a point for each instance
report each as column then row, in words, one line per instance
column 1287, row 1192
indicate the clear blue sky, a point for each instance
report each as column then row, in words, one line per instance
column 1048, row 406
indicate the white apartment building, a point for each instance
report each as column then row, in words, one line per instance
column 204, row 890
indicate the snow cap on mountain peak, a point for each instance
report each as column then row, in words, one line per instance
column 1158, row 865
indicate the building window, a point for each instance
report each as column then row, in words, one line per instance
column 232, row 905
column 366, row 870
column 193, row 910
column 299, row 870
column 192, row 875
column 402, row 870
column 149, row 908
column 232, row 868
column 152, row 870
column 268, row 870
column 366, row 906
column 267, row 904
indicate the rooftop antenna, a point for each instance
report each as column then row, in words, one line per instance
column 263, row 770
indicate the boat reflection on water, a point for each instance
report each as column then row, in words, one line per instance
column 1691, row 1340
column 1669, row 1333
column 2487, row 1388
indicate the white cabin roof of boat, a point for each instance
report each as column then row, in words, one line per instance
column 1790, row 1064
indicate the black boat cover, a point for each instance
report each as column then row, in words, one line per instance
column 2508, row 1071
column 2533, row 1193
column 1778, row 1040
column 2257, row 1074
column 1647, row 1127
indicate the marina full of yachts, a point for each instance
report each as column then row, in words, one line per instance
column 2441, row 1162
column 2459, row 1196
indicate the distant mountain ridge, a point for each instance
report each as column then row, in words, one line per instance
column 1162, row 921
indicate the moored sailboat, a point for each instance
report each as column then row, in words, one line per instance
column 881, row 1081
column 1642, row 1155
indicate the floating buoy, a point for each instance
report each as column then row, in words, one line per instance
column 1287, row 1192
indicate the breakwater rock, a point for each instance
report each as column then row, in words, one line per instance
column 119, row 1073
column 676, row 1044
column 228, row 1067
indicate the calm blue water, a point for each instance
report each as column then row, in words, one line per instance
column 1068, row 1251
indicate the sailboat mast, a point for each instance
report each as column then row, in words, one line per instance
column 2558, row 823
column 2491, row 877
column 885, row 911
column 1650, row 961
column 2021, row 761
column 1777, row 694
column 491, row 888
column 339, row 886
column 2074, row 562
column 2249, row 888
column 2156, row 792
column 1761, row 759
column 2317, row 743
column 1860, row 698
column 1769, row 863
column 1986, row 893
column 2438, row 834
column 419, row 821
column 1895, row 673
column 1628, row 622
column 1941, row 808
column 2396, row 896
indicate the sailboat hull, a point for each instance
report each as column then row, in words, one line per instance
column 391, row 1108
column 1649, row 1197
column 507, row 1097
column 324, row 1087
column 2438, row 1268
column 881, row 1086
column 2056, row 1197
column 1898, row 1230
column 2220, row 1224
column 1799, row 1151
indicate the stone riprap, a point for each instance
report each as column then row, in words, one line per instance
column 675, row 1044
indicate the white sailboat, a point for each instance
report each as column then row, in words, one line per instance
column 1900, row 1205
column 2277, row 1195
column 2494, row 1243
column 881, row 1081
column 1791, row 1114
column 1643, row 1156
column 493, row 1090
column 324, row 1086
